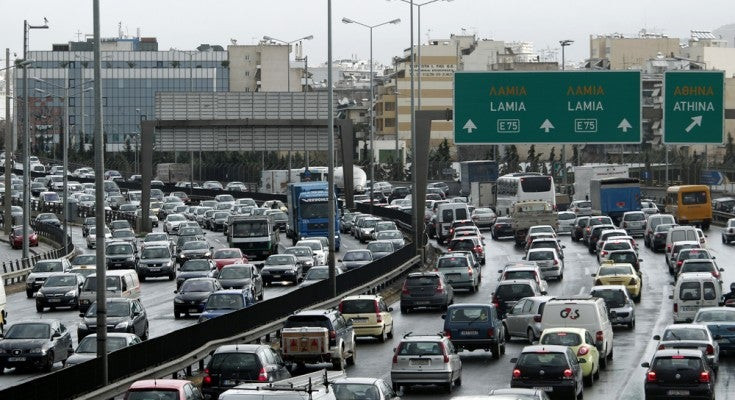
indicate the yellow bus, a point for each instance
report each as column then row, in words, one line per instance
column 689, row 204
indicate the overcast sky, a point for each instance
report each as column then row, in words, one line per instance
column 184, row 24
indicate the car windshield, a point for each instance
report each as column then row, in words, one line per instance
column 316, row 274
column 115, row 309
column 89, row 344
column 715, row 316
column 685, row 334
column 462, row 244
column 175, row 218
column 249, row 228
column 561, row 339
column 196, row 285
column 612, row 298
column 634, row 217
column 389, row 235
column 566, row 216
column 195, row 245
column 48, row 266
column 420, row 349
column 119, row 224
column 540, row 255
column 225, row 198
column 676, row 364
column 156, row 237
column 226, row 253
column 362, row 306
column 154, row 394
column 234, row 273
column 380, row 247
column 694, row 255
column 299, row 251
column 195, row 265
column 315, row 246
column 616, row 270
column 61, row 280
column 279, row 260
column 123, row 233
column 357, row 256
column 118, row 249
column 469, row 314
column 28, row 331
column 520, row 275
column 90, row 284
column 84, row 259
column 155, row 252
column 514, row 291
column 225, row 301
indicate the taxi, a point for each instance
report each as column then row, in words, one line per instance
column 610, row 273
column 581, row 342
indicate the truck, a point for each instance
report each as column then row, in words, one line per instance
column 476, row 171
column 481, row 194
column 308, row 216
column 526, row 214
column 276, row 180
column 584, row 174
column 256, row 236
column 615, row 196
column 273, row 181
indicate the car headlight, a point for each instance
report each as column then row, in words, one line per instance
column 71, row 293
column 207, row 254
column 122, row 325
column 39, row 294
column 83, row 326
column 39, row 350
column 178, row 301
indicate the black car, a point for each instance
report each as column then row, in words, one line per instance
column 121, row 255
column 231, row 365
column 658, row 242
column 578, row 229
column 192, row 295
column 183, row 240
column 194, row 250
column 35, row 344
column 353, row 259
column 198, row 268
column 242, row 276
column 123, row 315
column 501, row 228
column 679, row 372
column 594, row 236
column 281, row 267
column 555, row 369
column 425, row 289
column 399, row 192
column 48, row 218
column 59, row 290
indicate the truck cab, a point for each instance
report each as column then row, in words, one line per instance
column 308, row 212
column 255, row 236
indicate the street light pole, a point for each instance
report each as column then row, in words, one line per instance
column 331, row 200
column 8, row 221
column 564, row 44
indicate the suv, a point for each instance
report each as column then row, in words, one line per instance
column 683, row 372
column 594, row 221
column 471, row 243
column 508, row 292
column 459, row 272
column 369, row 314
column 339, row 333
column 120, row 255
column 551, row 367
column 425, row 289
column 475, row 327
column 231, row 365
column 41, row 271
column 581, row 207
column 156, row 261
column 426, row 360
column 123, row 315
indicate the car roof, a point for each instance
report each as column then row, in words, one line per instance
column 678, row 352
column 228, row 291
column 545, row 348
column 363, row 381
column 160, row 384
column 608, row 287
column 363, row 297
column 240, row 348
column 580, row 331
column 517, row 282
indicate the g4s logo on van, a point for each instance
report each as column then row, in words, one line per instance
column 569, row 313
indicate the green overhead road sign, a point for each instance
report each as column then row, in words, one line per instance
column 693, row 107
column 547, row 107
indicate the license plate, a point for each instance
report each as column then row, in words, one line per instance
column 419, row 362
column 193, row 310
column 54, row 300
column 154, row 269
column 16, row 359
column 229, row 382
column 678, row 393
column 359, row 320
column 117, row 265
column 545, row 388
column 689, row 308
column 469, row 333
column 419, row 303
column 276, row 276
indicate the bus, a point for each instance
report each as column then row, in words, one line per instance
column 689, row 204
column 517, row 187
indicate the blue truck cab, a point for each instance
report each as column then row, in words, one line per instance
column 308, row 212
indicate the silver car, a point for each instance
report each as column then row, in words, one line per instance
column 524, row 319
column 394, row 236
column 634, row 222
column 619, row 304
column 459, row 272
column 92, row 237
column 425, row 360
column 691, row 336
column 552, row 266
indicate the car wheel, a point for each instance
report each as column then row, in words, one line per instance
column 352, row 360
column 171, row 276
column 146, row 333
column 177, row 315
column 396, row 387
column 29, row 294
column 589, row 380
column 631, row 325
column 2, row 369
column 404, row 310
column 262, row 295
column 596, row 373
column 383, row 336
column 39, row 308
column 448, row 387
column 506, row 333
column 531, row 336
column 495, row 349
column 338, row 364
column 610, row 356
column 49, row 362
column 141, row 277
column 603, row 362
column 580, row 395
column 458, row 382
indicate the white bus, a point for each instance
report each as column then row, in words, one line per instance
column 517, row 187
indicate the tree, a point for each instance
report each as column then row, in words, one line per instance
column 533, row 160
column 552, row 155
column 575, row 154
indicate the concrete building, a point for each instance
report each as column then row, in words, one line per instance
column 265, row 67
column 710, row 52
column 622, row 52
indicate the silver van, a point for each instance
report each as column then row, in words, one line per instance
column 120, row 283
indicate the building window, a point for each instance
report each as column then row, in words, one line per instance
column 104, row 101
column 72, row 120
column 72, row 64
column 72, row 101
column 247, row 57
column 390, row 106
column 72, row 82
column 247, row 73
column 159, row 64
column 389, row 123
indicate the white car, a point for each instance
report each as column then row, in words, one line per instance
column 611, row 245
column 172, row 222
column 565, row 222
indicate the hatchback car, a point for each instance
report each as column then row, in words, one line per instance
column 551, row 265
column 459, row 272
column 232, row 365
column 521, row 271
column 193, row 250
column 728, row 233
column 524, row 319
column 691, row 336
column 242, row 276
column 679, row 372
column 193, row 293
column 501, row 228
column 634, row 222
column 59, row 290
column 303, row 256
column 123, row 315
column 425, row 360
column 396, row 237
column 580, row 223
column 16, row 237
column 472, row 243
column 581, row 207
column 613, row 244
column 580, row 341
column 509, row 292
column 282, row 267
column 619, row 274
column 173, row 389
column 228, row 256
column 87, row 348
column 474, row 326
column 425, row 289
column 41, row 271
column 199, row 268
column 369, row 314
column 551, row 368
column 362, row 388
column 226, row 301
column 156, row 261
column 618, row 302
column 380, row 248
column 353, row 259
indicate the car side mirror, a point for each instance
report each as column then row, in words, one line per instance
column 563, row 247
column 656, row 337
column 81, row 314
column 523, row 258
column 671, row 296
column 645, row 365
column 640, row 260
column 444, row 316
column 593, row 275
column 176, row 291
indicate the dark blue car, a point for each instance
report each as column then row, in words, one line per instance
column 226, row 301
column 472, row 327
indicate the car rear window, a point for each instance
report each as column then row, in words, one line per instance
column 562, row 339
column 514, row 291
column 690, row 291
column 623, row 257
column 520, row 275
column 452, row 262
column 420, row 349
column 697, row 266
column 540, row 255
column 299, row 321
column 469, row 314
column 566, row 216
column 685, row 334
column 235, row 362
column 617, row 246
column 358, row 306
column 422, row 281
column 148, row 394
column 634, row 217
column 675, row 363
column 539, row 360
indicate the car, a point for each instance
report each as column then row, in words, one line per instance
column 700, row 266
column 120, row 224
column 594, row 235
column 340, row 350
column 524, row 271
column 197, row 268
column 634, row 222
column 652, row 222
column 172, row 222
column 691, row 336
column 353, row 259
column 243, row 277
column 515, row 394
column 123, row 315
column 235, row 364
column 619, row 303
column 547, row 243
column 316, row 274
column 192, row 294
column 120, row 255
column 49, row 219
column 565, row 222
column 153, row 218
column 399, row 192
column 319, row 251
column 347, row 220
column 396, row 237
column 16, row 237
column 280, row 220
column 41, row 271
column 548, row 260
column 84, row 261
column 416, row 287
column 469, row 243
column 158, row 239
column 224, row 302
column 538, row 235
column 613, row 244
column 127, row 235
column 156, row 261
column 227, row 256
column 619, row 274
column 425, row 360
column 87, row 348
column 364, row 229
column 728, row 233
column 483, row 217
column 580, row 224
column 658, row 241
column 212, row 185
column 475, row 326
column 370, row 316
column 37, row 344
column 282, row 267
column 524, row 319
column 303, row 256
column 673, row 254
column 380, row 248
column 459, row 271
column 648, row 207
column 721, row 323
column 580, row 341
column 362, row 388
column 610, row 234
column 507, row 293
column 194, row 250
column 552, row 368
column 678, row 372
column 581, row 207
column 59, row 290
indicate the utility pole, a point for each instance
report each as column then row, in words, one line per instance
column 8, row 222
column 331, row 200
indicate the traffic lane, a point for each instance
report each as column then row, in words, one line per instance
column 9, row 254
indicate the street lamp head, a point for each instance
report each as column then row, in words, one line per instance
column 309, row 37
column 395, row 21
column 567, row 42
column 37, row 79
column 267, row 38
column 347, row 21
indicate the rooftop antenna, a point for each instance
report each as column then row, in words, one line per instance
column 234, row 42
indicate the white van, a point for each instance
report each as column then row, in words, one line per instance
column 120, row 283
column 680, row 234
column 446, row 213
column 582, row 312
column 3, row 313
column 695, row 290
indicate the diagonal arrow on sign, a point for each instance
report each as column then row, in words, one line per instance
column 695, row 121
column 546, row 125
column 469, row 126
column 624, row 125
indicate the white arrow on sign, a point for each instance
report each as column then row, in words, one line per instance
column 469, row 126
column 546, row 126
column 695, row 121
column 624, row 125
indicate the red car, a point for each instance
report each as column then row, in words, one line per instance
column 222, row 257
column 174, row 389
column 16, row 237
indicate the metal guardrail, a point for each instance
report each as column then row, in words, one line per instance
column 15, row 271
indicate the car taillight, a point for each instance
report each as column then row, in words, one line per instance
column 537, row 318
column 340, row 307
column 556, row 262
column 444, row 353
column 440, row 288
column 704, row 376
column 604, row 253
column 583, row 350
column 668, row 249
column 207, row 380
column 404, row 289
column 447, row 334
column 676, row 307
column 490, row 332
column 598, row 282
column 478, row 249
column 710, row 350
column 678, row 263
column 262, row 375
column 568, row 374
column 496, row 303
column 587, row 230
column 600, row 336
column 378, row 315
column 632, row 281
column 625, row 224
column 716, row 273
column 661, row 347
column 332, row 334
column 651, row 376
column 516, row 373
